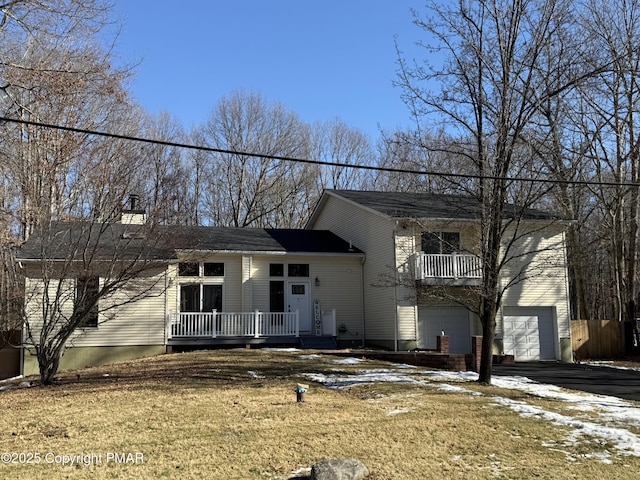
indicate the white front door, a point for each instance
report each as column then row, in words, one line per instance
column 298, row 298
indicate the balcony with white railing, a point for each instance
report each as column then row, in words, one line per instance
column 215, row 324
column 456, row 269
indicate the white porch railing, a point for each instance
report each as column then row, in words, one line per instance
column 455, row 266
column 233, row 324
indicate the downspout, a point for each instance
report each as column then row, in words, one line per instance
column 363, row 315
column 395, row 289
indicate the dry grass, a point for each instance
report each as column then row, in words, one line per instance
column 204, row 415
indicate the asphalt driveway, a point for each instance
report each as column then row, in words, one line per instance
column 587, row 378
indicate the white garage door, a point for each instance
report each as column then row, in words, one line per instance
column 529, row 333
column 453, row 321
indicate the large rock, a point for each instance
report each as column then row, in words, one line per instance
column 339, row 469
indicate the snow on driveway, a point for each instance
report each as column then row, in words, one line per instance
column 608, row 420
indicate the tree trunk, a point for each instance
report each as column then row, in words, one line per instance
column 48, row 363
column 488, row 320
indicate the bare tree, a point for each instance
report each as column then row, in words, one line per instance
column 611, row 131
column 492, row 87
column 244, row 190
column 52, row 69
column 77, row 273
column 335, row 142
column 166, row 176
column 407, row 152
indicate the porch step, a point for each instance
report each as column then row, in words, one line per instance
column 318, row 343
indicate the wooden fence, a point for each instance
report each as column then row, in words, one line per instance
column 596, row 339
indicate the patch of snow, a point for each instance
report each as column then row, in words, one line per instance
column 450, row 376
column 347, row 361
column 398, row 411
column 609, row 414
column 309, row 357
column 405, row 365
column 361, row 378
column 456, row 389
column 255, row 375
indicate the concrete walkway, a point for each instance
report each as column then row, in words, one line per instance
column 587, row 378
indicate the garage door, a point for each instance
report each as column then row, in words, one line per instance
column 529, row 333
column 454, row 321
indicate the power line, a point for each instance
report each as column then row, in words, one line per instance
column 318, row 162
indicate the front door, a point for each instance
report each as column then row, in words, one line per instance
column 298, row 299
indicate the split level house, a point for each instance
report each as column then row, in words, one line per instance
column 371, row 269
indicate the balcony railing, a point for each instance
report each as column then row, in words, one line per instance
column 454, row 266
column 229, row 324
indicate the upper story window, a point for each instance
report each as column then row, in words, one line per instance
column 298, row 269
column 188, row 269
column 209, row 269
column 276, row 269
column 440, row 242
column 214, row 269
column 292, row 269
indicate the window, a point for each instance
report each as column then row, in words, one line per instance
column 276, row 296
column 298, row 269
column 86, row 304
column 188, row 269
column 440, row 242
column 211, row 298
column 276, row 269
column 191, row 295
column 297, row 289
column 214, row 269
column 190, row 298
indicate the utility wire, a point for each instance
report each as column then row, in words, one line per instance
column 318, row 162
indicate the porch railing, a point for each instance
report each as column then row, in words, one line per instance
column 454, row 266
column 233, row 324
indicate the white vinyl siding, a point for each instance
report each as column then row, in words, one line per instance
column 233, row 285
column 340, row 286
column 138, row 322
column 542, row 277
column 373, row 234
column 247, row 284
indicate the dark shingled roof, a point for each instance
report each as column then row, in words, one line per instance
column 430, row 205
column 161, row 243
column 259, row 240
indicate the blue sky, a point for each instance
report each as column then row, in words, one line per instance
column 324, row 59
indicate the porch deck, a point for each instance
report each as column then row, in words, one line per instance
column 201, row 329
